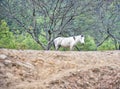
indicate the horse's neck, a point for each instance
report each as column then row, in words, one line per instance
column 76, row 39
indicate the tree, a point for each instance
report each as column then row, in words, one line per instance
column 107, row 22
column 47, row 19
column 55, row 16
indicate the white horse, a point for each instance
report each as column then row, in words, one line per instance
column 68, row 41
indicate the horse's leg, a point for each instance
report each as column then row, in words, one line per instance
column 71, row 47
column 58, row 47
column 55, row 45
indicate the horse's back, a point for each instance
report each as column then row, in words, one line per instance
column 58, row 38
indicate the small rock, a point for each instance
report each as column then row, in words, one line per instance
column 2, row 56
column 9, row 75
column 7, row 61
column 2, row 65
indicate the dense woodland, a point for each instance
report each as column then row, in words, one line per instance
column 33, row 24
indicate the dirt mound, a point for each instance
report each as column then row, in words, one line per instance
column 30, row 69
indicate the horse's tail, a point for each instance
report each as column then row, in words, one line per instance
column 54, row 44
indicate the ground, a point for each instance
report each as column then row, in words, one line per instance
column 32, row 69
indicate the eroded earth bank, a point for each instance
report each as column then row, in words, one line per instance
column 31, row 69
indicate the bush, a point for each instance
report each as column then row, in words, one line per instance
column 6, row 37
column 107, row 45
column 26, row 42
column 18, row 41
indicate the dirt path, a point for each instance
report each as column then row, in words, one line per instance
column 31, row 69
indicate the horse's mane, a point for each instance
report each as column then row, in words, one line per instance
column 80, row 35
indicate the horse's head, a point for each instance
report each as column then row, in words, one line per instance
column 82, row 39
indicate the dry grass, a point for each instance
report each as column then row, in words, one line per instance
column 30, row 69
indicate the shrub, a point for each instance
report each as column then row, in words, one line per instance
column 6, row 37
column 107, row 45
column 26, row 42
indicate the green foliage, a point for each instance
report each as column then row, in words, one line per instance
column 40, row 20
column 43, row 39
column 26, row 42
column 18, row 41
column 6, row 37
column 107, row 45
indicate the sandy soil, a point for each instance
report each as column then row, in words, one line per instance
column 31, row 69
